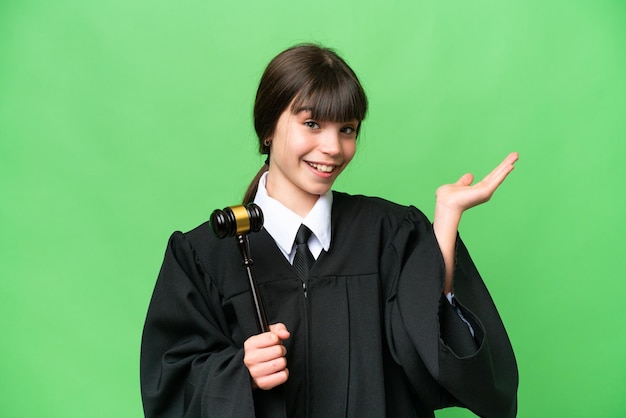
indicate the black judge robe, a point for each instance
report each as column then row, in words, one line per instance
column 373, row 337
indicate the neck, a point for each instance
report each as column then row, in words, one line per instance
column 299, row 203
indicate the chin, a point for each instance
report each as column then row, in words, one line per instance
column 319, row 190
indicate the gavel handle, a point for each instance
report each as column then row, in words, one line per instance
column 244, row 247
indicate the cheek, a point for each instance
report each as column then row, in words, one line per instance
column 349, row 150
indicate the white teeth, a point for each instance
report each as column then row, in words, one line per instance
column 322, row 167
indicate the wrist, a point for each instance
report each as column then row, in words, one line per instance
column 446, row 219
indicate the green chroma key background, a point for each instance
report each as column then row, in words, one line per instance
column 122, row 121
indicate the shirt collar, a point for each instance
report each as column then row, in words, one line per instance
column 282, row 224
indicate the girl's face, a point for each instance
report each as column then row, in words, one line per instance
column 306, row 156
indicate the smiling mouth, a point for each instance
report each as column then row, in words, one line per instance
column 322, row 167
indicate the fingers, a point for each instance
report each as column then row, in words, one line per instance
column 494, row 179
column 271, row 380
column 498, row 174
column 462, row 195
column 264, row 356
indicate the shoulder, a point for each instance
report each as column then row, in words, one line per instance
column 200, row 247
column 200, row 234
column 345, row 200
column 364, row 217
column 374, row 208
column 200, row 257
column 197, row 237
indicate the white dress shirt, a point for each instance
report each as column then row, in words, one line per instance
column 282, row 224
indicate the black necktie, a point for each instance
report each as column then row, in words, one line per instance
column 303, row 259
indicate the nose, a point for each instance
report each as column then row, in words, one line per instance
column 330, row 143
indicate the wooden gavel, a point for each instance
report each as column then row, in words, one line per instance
column 238, row 221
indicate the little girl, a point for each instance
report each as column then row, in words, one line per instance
column 389, row 318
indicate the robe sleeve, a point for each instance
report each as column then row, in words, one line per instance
column 190, row 367
column 444, row 363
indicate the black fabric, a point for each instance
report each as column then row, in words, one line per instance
column 303, row 259
column 373, row 337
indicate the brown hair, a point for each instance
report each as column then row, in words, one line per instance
column 310, row 75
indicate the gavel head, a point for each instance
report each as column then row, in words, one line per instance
column 236, row 220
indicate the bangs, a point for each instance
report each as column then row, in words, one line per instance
column 330, row 97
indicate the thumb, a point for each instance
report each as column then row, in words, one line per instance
column 280, row 329
column 465, row 180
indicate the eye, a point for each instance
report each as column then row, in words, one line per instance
column 311, row 124
column 348, row 130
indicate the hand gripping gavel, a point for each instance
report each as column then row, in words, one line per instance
column 238, row 221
